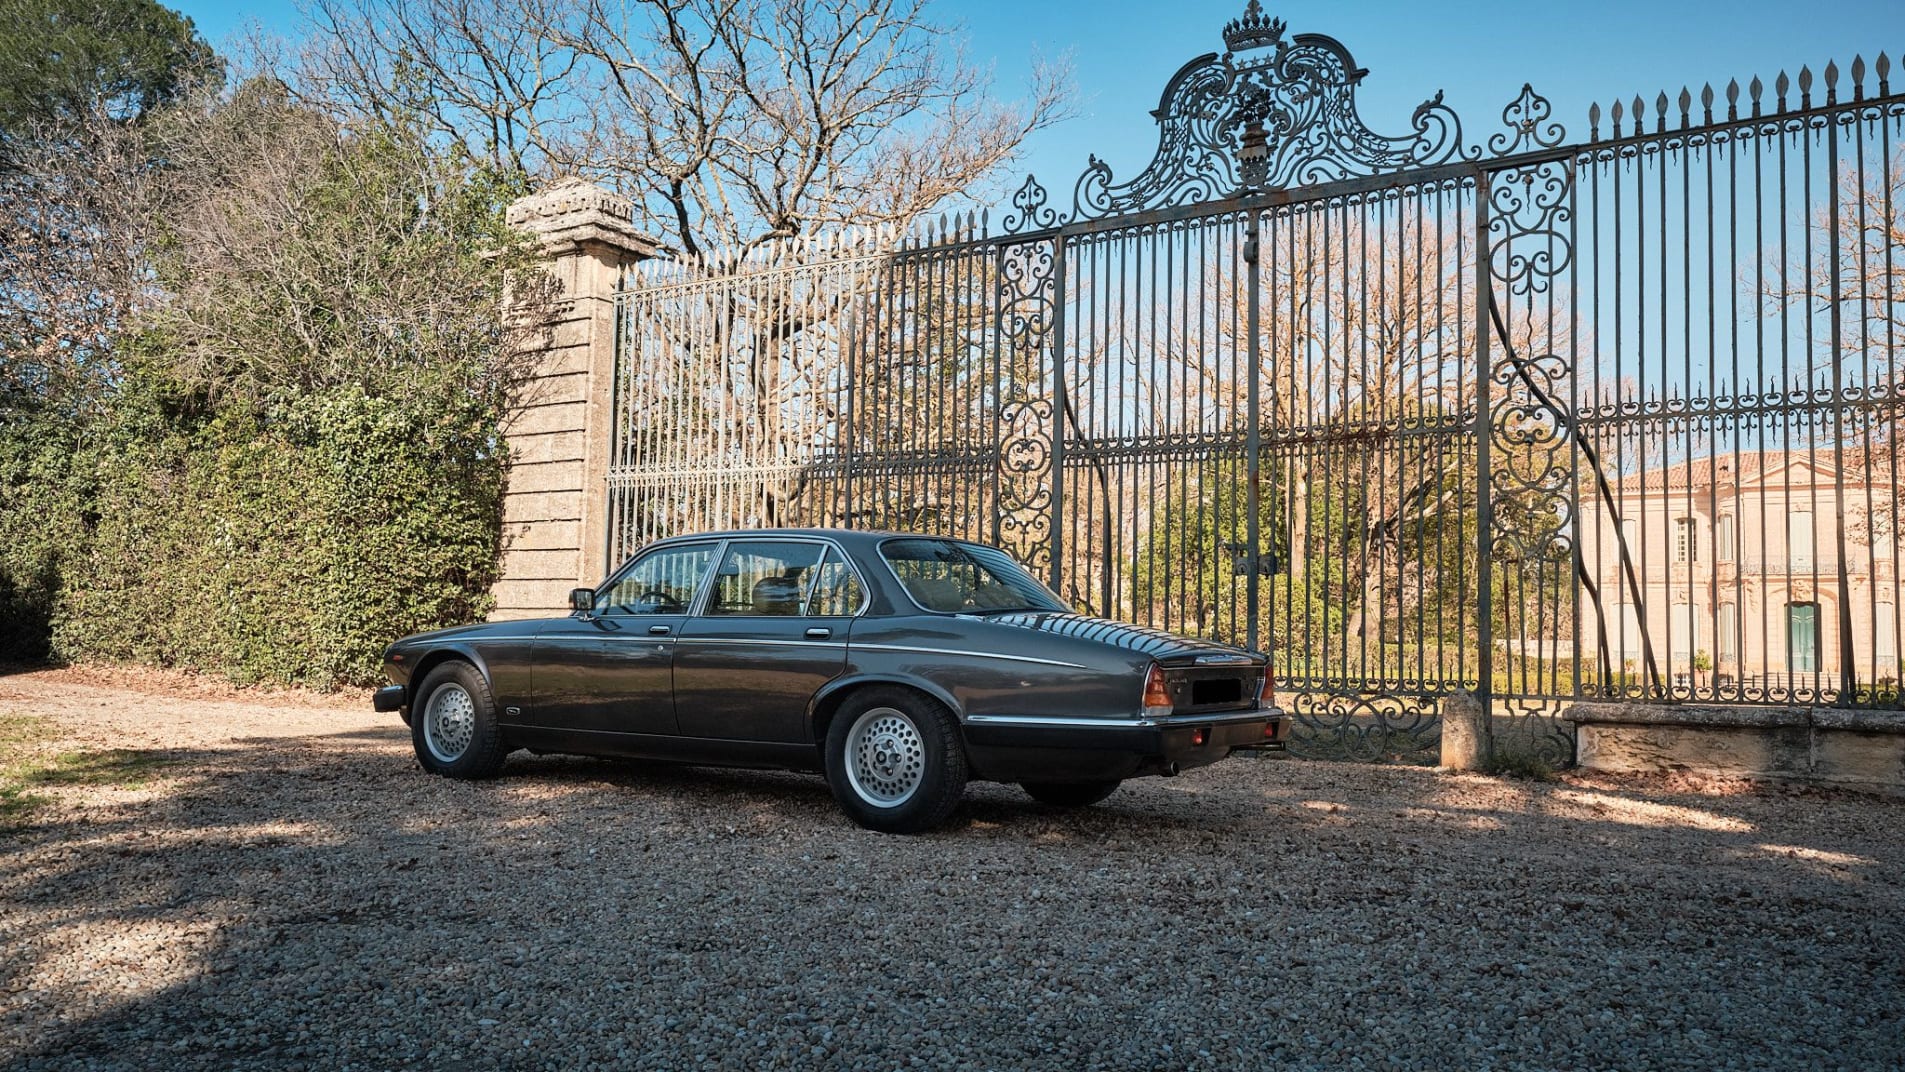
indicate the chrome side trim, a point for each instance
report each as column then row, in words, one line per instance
column 969, row 654
column 777, row 643
column 1091, row 722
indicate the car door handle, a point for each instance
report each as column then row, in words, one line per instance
column 818, row 633
column 657, row 630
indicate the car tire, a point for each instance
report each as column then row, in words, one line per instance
column 895, row 761
column 1070, row 794
column 453, row 724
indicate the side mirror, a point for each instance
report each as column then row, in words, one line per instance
column 582, row 600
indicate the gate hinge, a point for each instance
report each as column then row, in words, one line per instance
column 1250, row 251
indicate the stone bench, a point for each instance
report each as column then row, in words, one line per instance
column 1828, row 746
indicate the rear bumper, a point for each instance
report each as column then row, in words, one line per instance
column 1014, row 749
column 389, row 698
column 1276, row 736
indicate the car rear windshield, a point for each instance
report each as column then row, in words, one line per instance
column 964, row 578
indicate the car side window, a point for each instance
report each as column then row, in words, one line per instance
column 765, row 577
column 663, row 582
column 835, row 591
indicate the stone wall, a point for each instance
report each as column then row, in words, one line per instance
column 1817, row 745
column 554, row 528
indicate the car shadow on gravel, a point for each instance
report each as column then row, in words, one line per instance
column 320, row 902
column 987, row 806
column 392, row 734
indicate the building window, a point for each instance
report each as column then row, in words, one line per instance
column 1723, row 538
column 1802, row 638
column 1887, row 641
column 1729, row 629
column 1686, row 540
column 1625, row 632
column 1799, row 540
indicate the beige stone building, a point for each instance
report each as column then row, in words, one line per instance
column 1754, row 569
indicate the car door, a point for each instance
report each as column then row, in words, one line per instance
column 611, row 671
column 773, row 630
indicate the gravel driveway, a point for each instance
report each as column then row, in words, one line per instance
column 289, row 891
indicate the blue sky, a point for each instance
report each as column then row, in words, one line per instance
column 1479, row 54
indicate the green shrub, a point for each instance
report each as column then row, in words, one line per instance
column 298, row 455
column 45, row 507
column 288, row 549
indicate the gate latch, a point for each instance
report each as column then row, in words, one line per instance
column 1240, row 560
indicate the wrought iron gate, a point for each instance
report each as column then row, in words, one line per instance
column 1421, row 414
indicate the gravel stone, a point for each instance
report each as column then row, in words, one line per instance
column 292, row 892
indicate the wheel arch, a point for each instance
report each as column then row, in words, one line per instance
column 828, row 701
column 437, row 657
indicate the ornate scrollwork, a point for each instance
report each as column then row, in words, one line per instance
column 1197, row 148
column 1033, row 214
column 1247, row 121
column 1027, row 297
column 1303, row 98
column 1025, row 485
column 1532, row 475
column 1527, row 118
column 1534, row 483
column 1532, row 423
column 1366, row 728
column 1534, row 728
column 1528, row 212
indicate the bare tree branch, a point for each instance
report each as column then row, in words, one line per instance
column 730, row 122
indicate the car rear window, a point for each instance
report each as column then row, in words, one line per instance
column 942, row 575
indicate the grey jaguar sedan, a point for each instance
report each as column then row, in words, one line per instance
column 899, row 666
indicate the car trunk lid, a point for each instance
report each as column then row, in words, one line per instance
column 1203, row 676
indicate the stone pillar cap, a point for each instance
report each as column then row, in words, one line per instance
column 573, row 212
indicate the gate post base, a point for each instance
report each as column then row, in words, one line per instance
column 1467, row 741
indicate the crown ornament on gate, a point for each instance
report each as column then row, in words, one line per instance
column 1253, row 30
column 1274, row 111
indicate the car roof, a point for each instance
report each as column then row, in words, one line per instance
column 858, row 537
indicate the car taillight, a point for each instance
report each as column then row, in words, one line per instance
column 1157, row 698
column 1267, row 688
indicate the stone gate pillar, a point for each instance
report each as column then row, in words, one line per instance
column 554, row 524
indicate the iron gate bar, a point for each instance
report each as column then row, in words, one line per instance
column 1484, row 436
column 1061, row 406
column 1253, row 445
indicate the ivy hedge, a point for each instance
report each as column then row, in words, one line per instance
column 297, row 456
column 286, row 547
